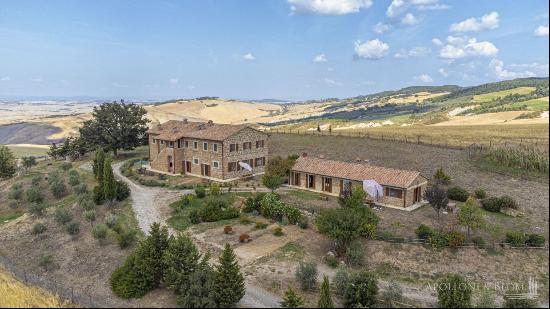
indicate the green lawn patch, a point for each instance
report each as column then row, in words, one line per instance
column 179, row 220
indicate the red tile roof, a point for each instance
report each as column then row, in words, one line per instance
column 174, row 129
column 356, row 171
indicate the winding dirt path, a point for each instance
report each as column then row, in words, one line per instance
column 152, row 205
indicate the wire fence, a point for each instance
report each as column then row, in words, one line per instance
column 501, row 245
column 431, row 140
column 66, row 294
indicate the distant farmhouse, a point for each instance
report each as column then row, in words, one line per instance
column 396, row 188
column 219, row 152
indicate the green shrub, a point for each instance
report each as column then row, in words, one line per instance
column 34, row 195
column 441, row 177
column 111, row 221
column 35, row 181
column 491, row 204
column 331, row 261
column 66, row 166
column 244, row 219
column 58, row 189
column 478, row 241
column 73, row 228
column 508, row 202
column 362, row 291
column 278, row 231
column 194, row 216
column 355, row 254
column 516, row 239
column 81, row 189
column 214, row 189
column 38, row 228
column 90, row 215
column 303, row 223
column 62, row 216
column 87, row 204
column 457, row 194
column 200, row 192
column 99, row 232
column 53, row 176
column 16, row 192
column 456, row 294
column 306, row 274
column 455, row 239
column 126, row 237
column 46, row 262
column 424, row 232
column 480, row 194
column 74, row 178
column 341, row 281
column 535, row 240
column 186, row 199
column 122, row 191
column 217, row 209
column 273, row 208
column 127, row 281
column 253, row 203
column 438, row 240
column 392, row 294
column 260, row 225
column 37, row 208
column 13, row 204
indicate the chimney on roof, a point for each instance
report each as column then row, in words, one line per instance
column 201, row 126
column 358, row 159
column 159, row 126
column 184, row 120
column 304, row 154
column 210, row 123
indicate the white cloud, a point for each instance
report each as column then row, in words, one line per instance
column 437, row 42
column 425, row 78
column 502, row 73
column 320, row 58
column 248, row 57
column 173, row 81
column 460, row 47
column 374, row 49
column 328, row 7
column 419, row 51
column 443, row 72
column 409, row 19
column 541, row 31
column 5, row 79
column 332, row 82
column 395, row 8
column 486, row 22
column 381, row 28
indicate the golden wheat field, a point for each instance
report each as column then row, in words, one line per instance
column 15, row 294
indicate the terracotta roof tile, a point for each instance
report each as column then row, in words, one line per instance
column 173, row 130
column 356, row 171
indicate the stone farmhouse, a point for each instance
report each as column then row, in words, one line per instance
column 218, row 152
column 399, row 188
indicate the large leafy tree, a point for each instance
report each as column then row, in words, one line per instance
column 470, row 215
column 436, row 195
column 7, row 162
column 229, row 283
column 272, row 182
column 116, row 126
column 454, row 292
column 344, row 225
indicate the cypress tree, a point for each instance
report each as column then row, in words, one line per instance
column 99, row 160
column 158, row 240
column 181, row 260
column 291, row 299
column 229, row 283
column 109, row 183
column 325, row 300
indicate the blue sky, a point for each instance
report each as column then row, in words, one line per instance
column 287, row 49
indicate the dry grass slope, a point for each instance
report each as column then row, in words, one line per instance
column 15, row 294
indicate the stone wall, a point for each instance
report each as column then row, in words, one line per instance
column 243, row 136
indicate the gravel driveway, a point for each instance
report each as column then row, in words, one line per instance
column 152, row 205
